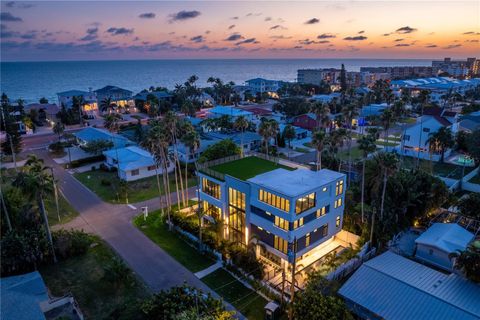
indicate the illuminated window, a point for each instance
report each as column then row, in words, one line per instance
column 211, row 210
column 305, row 203
column 297, row 223
column 236, row 198
column 322, row 211
column 325, row 230
column 339, row 187
column 338, row 203
column 236, row 221
column 211, row 188
column 307, row 239
column 337, row 222
column 281, row 223
column 280, row 244
column 274, row 200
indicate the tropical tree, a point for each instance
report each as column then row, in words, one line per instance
column 318, row 141
column 289, row 134
column 468, row 261
column 265, row 131
column 387, row 118
column 188, row 108
column 107, row 105
column 111, row 122
column 388, row 163
column 58, row 129
column 241, row 124
column 322, row 113
column 367, row 145
column 36, row 183
column 349, row 113
column 440, row 141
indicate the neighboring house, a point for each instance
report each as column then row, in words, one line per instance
column 232, row 112
column 46, row 112
column 326, row 98
column 276, row 205
column 440, row 240
column 305, row 121
column 90, row 134
column 121, row 97
column 25, row 297
column 260, row 85
column 415, row 137
column 393, row 287
column 185, row 155
column 437, row 85
column 133, row 163
column 89, row 99
column 469, row 122
column 300, row 133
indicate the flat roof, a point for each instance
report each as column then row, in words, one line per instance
column 248, row 167
column 296, row 182
column 394, row 287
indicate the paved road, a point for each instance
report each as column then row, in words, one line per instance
column 113, row 224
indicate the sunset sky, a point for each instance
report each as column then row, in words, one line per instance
column 87, row 30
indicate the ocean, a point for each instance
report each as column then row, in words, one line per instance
column 33, row 80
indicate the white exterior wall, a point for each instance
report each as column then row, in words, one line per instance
column 434, row 256
column 143, row 173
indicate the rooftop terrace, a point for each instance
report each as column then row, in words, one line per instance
column 246, row 168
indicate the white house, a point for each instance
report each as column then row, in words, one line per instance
column 326, row 98
column 230, row 111
column 440, row 240
column 133, row 163
column 260, row 85
column 89, row 99
column 90, row 134
column 415, row 138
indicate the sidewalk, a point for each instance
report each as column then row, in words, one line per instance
column 206, row 272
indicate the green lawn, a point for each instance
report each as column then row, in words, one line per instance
column 303, row 150
column 106, row 186
column 155, row 229
column 245, row 300
column 67, row 213
column 83, row 276
column 248, row 167
column 447, row 170
column 355, row 153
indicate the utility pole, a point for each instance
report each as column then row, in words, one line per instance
column 14, row 156
column 292, row 285
column 56, row 193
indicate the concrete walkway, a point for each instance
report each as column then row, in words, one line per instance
column 207, row 271
column 113, row 224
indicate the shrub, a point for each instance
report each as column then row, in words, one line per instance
column 70, row 243
column 93, row 168
column 56, row 147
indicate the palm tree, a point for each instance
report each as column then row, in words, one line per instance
column 264, row 130
column 106, row 105
column 188, row 108
column 367, row 145
column 318, row 140
column 387, row 118
column 440, row 141
column 111, row 122
column 241, row 124
column 349, row 113
column 36, row 182
column 289, row 134
column 388, row 164
column 322, row 112
column 58, row 129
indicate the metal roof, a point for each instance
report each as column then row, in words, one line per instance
column 73, row 93
column 21, row 296
column 90, row 134
column 448, row 237
column 394, row 287
column 131, row 158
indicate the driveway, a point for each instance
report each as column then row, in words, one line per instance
column 113, row 224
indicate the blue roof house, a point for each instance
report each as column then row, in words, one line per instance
column 232, row 112
column 133, row 163
column 90, row 134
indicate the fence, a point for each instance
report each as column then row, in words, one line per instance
column 351, row 265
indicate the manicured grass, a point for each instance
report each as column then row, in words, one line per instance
column 248, row 167
column 408, row 120
column 303, row 150
column 157, row 230
column 140, row 190
column 447, row 170
column 67, row 212
column 308, row 145
column 245, row 300
column 83, row 276
column 355, row 154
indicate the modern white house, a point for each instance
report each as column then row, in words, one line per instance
column 414, row 140
column 120, row 97
column 393, row 287
column 230, row 111
column 290, row 213
column 133, row 163
column 440, row 240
